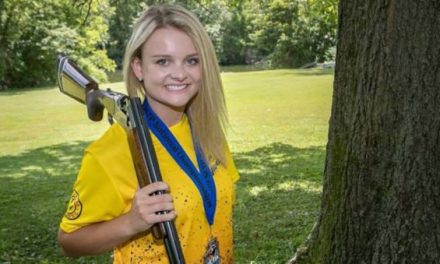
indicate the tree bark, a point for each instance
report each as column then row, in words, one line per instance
column 381, row 192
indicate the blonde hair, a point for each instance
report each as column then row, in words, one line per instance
column 207, row 111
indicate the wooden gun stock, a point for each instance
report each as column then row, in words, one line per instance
column 73, row 82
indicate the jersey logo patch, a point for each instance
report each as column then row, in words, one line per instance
column 75, row 206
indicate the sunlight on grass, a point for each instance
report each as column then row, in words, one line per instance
column 278, row 131
column 35, row 118
column 256, row 190
column 290, row 106
column 302, row 185
column 297, row 185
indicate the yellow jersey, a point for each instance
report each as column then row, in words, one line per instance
column 106, row 184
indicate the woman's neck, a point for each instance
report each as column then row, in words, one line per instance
column 169, row 115
column 171, row 120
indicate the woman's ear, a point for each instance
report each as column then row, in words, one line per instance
column 136, row 66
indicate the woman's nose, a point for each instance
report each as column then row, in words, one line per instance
column 178, row 72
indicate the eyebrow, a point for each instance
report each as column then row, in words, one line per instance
column 169, row 56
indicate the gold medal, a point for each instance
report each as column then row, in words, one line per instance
column 212, row 255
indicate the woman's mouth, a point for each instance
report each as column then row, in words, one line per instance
column 176, row 87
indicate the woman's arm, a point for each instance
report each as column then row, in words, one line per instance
column 104, row 236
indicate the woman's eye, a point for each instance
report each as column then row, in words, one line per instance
column 193, row 61
column 162, row 61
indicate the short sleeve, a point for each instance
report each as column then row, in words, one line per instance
column 94, row 197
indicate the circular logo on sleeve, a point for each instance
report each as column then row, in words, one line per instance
column 75, row 207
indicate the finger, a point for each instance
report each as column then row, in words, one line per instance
column 163, row 198
column 154, row 188
column 162, row 208
column 157, row 218
column 156, row 208
column 143, row 201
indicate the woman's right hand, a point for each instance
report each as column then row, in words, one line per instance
column 104, row 236
column 149, row 208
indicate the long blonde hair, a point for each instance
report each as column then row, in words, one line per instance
column 207, row 111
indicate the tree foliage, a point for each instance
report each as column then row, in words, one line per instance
column 292, row 33
column 279, row 33
column 33, row 33
column 120, row 27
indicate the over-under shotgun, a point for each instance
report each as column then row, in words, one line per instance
column 128, row 112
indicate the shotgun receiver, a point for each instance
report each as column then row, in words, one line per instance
column 128, row 112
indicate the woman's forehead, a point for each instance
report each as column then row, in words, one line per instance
column 169, row 40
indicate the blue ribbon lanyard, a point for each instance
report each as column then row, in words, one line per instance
column 203, row 180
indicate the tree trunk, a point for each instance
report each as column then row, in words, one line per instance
column 381, row 196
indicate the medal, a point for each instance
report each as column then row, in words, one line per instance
column 212, row 252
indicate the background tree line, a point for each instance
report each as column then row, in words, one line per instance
column 273, row 33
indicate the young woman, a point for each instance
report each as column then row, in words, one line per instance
column 171, row 63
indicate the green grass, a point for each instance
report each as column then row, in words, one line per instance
column 289, row 106
column 278, row 133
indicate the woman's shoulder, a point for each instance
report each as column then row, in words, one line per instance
column 111, row 144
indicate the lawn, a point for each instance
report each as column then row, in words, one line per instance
column 278, row 131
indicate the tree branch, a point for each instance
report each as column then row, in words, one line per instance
column 81, row 4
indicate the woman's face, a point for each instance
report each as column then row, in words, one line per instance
column 170, row 69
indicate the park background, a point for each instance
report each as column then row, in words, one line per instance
column 278, row 115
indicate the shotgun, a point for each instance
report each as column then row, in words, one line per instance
column 128, row 112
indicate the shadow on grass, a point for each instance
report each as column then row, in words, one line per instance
column 278, row 201
column 34, row 189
